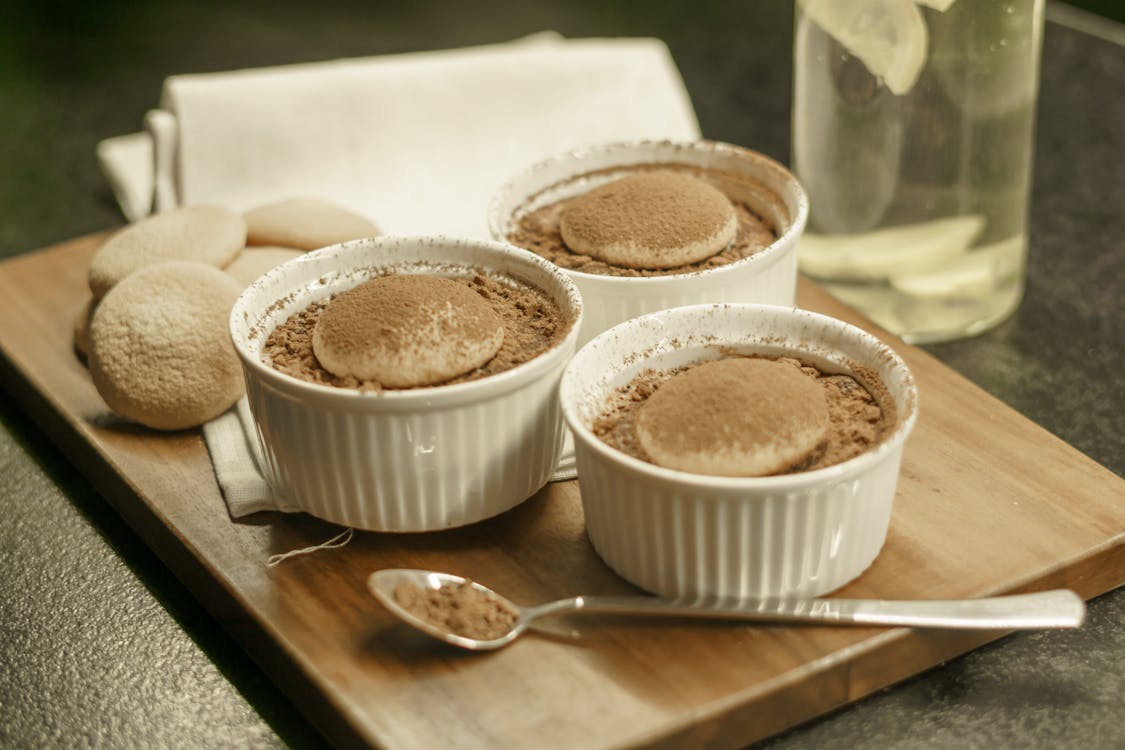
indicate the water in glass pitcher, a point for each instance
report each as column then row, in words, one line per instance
column 912, row 133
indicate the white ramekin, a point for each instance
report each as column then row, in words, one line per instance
column 410, row 460
column 767, row 277
column 681, row 534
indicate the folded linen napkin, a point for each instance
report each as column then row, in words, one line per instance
column 418, row 142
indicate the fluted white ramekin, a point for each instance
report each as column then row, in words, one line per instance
column 682, row 534
column 408, row 460
column 766, row 277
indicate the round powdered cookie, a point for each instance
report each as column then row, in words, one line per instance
column 405, row 330
column 650, row 220
column 305, row 223
column 160, row 345
column 734, row 417
column 205, row 234
column 252, row 262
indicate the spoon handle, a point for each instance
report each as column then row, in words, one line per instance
column 1059, row 608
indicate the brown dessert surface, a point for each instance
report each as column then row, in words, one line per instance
column 532, row 324
column 858, row 419
column 406, row 330
column 658, row 219
column 458, row 608
column 539, row 230
column 739, row 416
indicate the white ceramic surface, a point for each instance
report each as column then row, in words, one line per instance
column 767, row 277
column 675, row 533
column 410, row 460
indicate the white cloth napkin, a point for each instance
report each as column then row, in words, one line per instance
column 417, row 142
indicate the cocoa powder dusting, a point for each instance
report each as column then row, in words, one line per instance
column 539, row 230
column 532, row 322
column 386, row 308
column 655, row 213
column 762, row 408
column 458, row 608
column 858, row 421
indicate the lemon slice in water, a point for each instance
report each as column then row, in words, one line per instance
column 975, row 274
column 888, row 36
column 899, row 250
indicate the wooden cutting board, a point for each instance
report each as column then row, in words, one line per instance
column 988, row 503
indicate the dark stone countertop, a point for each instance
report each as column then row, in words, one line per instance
column 100, row 645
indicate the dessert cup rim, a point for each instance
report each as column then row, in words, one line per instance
column 766, row 256
column 425, row 398
column 781, row 482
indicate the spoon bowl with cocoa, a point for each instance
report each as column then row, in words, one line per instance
column 466, row 614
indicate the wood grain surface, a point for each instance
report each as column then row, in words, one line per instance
column 988, row 503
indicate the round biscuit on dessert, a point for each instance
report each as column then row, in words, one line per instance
column 405, row 330
column 305, row 224
column 205, row 234
column 740, row 416
column 252, row 262
column 160, row 346
column 657, row 219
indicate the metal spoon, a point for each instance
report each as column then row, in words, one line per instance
column 1059, row 608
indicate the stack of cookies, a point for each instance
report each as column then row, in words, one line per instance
column 155, row 331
